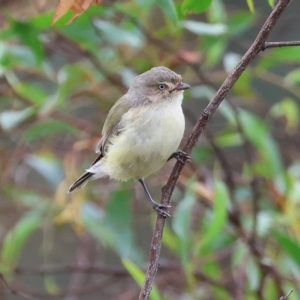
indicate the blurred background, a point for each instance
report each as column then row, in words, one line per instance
column 235, row 227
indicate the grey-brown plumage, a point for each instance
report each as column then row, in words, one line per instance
column 141, row 131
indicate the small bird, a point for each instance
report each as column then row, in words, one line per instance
column 142, row 131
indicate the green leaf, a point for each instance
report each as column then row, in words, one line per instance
column 216, row 52
column 181, row 224
column 42, row 21
column 244, row 88
column 240, row 22
column 50, row 285
column 112, row 228
column 227, row 111
column 289, row 109
column 240, row 253
column 138, row 275
column 251, row 5
column 217, row 12
column 181, row 219
column 47, row 129
column 277, row 56
column 221, row 202
column 11, row 119
column 71, row 78
column 93, row 220
column 201, row 154
column 257, row 132
column 31, row 92
column 15, row 55
column 144, row 5
column 48, row 166
column 230, row 139
column 29, row 35
column 168, row 7
column 171, row 240
column 255, row 128
column 265, row 221
column 196, row 5
column 118, row 217
column 202, row 28
column 120, row 35
column 253, row 273
column 271, row 3
column 16, row 238
column 293, row 77
column 289, row 245
column 81, row 30
column 118, row 209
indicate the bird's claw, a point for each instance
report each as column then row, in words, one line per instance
column 182, row 156
column 161, row 209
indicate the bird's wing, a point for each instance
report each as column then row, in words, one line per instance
column 112, row 125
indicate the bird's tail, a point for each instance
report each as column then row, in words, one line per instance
column 81, row 181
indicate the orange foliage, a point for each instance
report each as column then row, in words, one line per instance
column 78, row 6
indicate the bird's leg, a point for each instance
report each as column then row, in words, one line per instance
column 180, row 156
column 159, row 208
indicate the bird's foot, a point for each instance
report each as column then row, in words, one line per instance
column 162, row 209
column 181, row 156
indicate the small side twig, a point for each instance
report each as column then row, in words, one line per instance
column 252, row 52
column 286, row 296
column 268, row 45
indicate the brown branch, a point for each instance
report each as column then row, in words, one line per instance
column 95, row 269
column 255, row 48
column 268, row 45
column 13, row 290
column 246, row 144
column 110, row 271
column 35, row 294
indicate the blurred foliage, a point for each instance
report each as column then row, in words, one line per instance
column 235, row 226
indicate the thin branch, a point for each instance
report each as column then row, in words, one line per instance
column 110, row 271
column 268, row 45
column 286, row 296
column 13, row 290
column 255, row 48
column 246, row 144
column 35, row 294
column 95, row 269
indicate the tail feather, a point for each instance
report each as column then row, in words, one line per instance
column 81, row 181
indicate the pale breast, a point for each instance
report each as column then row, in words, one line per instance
column 150, row 136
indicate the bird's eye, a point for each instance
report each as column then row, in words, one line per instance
column 161, row 86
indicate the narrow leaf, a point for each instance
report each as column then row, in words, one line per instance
column 271, row 3
column 181, row 224
column 196, row 5
column 16, row 238
column 220, row 214
column 168, row 7
column 29, row 36
column 251, row 5
column 11, row 119
column 202, row 28
column 138, row 275
column 290, row 246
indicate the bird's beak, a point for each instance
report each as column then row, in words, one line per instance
column 182, row 86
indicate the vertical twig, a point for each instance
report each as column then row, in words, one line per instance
column 255, row 48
